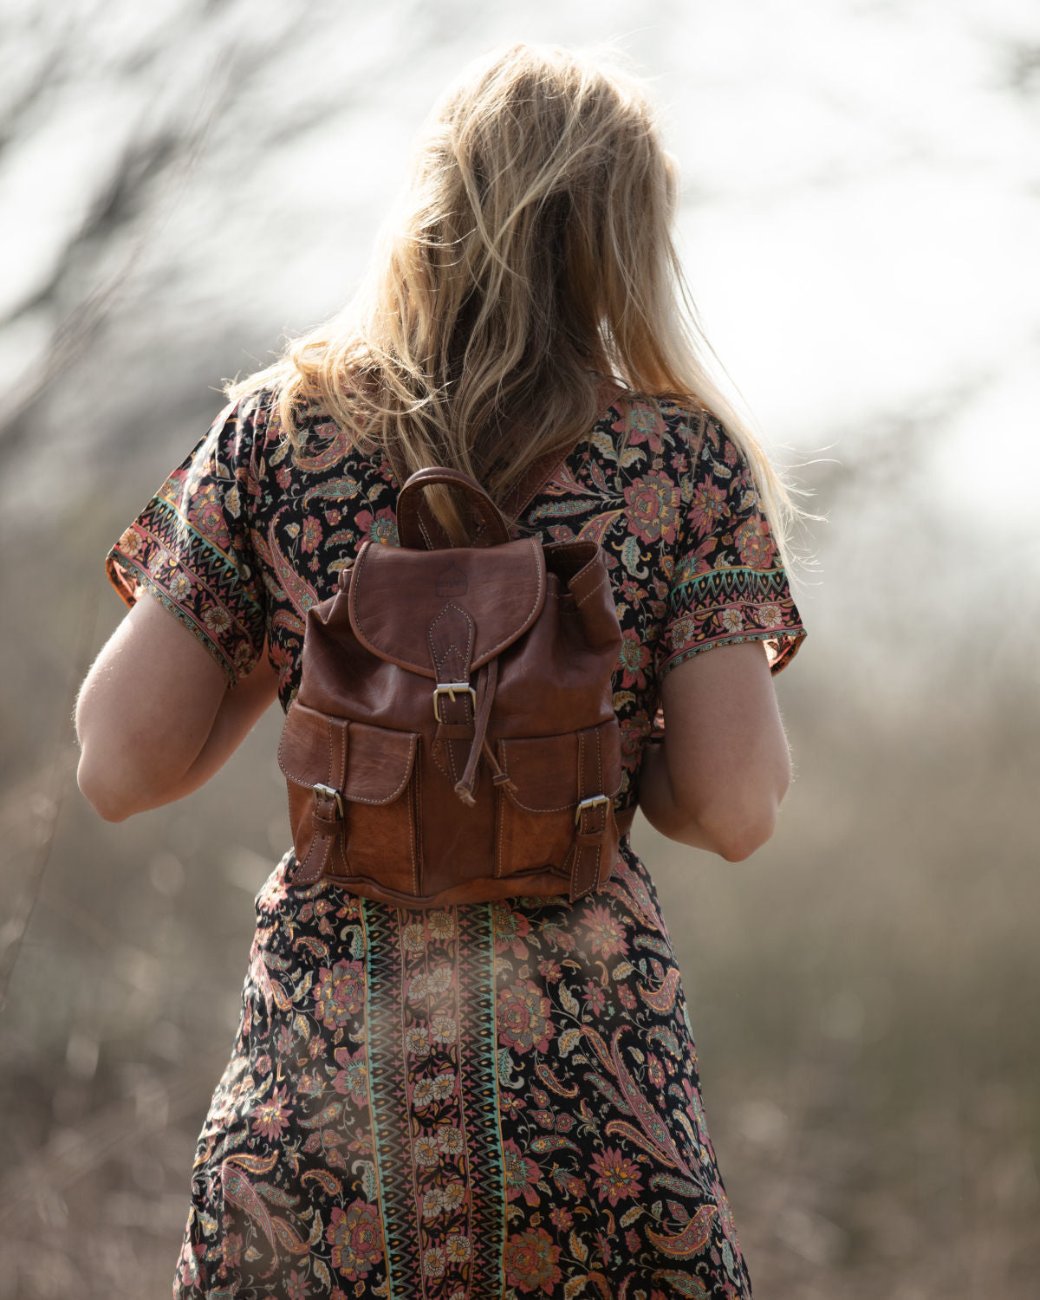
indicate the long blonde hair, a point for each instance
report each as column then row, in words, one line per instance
column 531, row 260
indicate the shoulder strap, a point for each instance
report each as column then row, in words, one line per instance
column 545, row 467
column 418, row 529
column 530, row 484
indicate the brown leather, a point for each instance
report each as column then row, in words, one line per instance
column 454, row 738
column 417, row 529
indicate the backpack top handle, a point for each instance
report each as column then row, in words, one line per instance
column 419, row 530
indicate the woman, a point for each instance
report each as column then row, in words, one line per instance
column 492, row 1099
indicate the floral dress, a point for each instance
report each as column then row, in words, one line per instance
column 482, row 1100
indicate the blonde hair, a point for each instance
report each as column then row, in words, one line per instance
column 532, row 259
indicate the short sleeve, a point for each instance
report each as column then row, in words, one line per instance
column 190, row 548
column 728, row 583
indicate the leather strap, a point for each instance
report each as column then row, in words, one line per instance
column 450, row 639
column 423, row 532
column 546, row 467
column 593, row 819
column 327, row 818
column 420, row 529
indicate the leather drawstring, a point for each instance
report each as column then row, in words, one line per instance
column 485, row 696
column 498, row 776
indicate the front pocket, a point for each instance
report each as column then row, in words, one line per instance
column 380, row 812
column 373, row 769
column 536, row 822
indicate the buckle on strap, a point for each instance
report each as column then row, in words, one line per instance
column 330, row 792
column 450, row 688
column 592, row 802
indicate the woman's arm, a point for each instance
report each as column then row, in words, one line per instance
column 154, row 716
column 719, row 776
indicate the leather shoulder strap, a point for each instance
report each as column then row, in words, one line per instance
column 418, row 528
column 545, row 467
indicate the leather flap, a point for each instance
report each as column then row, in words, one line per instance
column 396, row 593
column 315, row 748
column 311, row 746
column 379, row 763
column 544, row 769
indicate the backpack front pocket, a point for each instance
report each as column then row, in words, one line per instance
column 351, row 798
column 380, row 832
column 537, row 821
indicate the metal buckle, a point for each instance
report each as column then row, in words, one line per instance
column 591, row 802
column 449, row 688
column 330, row 792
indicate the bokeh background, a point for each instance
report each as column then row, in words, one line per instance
column 183, row 182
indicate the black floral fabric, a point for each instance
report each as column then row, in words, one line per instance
column 496, row 1099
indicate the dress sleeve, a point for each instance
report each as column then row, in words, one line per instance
column 190, row 548
column 728, row 583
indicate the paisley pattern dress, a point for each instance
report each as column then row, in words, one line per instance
column 485, row 1100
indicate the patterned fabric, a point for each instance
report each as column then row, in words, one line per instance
column 496, row 1099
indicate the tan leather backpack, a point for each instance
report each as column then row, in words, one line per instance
column 453, row 738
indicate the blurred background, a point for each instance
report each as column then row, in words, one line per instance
column 182, row 183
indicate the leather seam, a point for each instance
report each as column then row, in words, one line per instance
column 606, row 810
column 539, row 598
column 395, row 793
column 415, row 825
column 470, row 630
column 501, row 866
column 603, row 582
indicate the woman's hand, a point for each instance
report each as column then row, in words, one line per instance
column 717, row 779
column 154, row 716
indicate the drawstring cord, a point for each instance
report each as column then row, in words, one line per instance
column 480, row 745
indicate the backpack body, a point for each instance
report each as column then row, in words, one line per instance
column 453, row 738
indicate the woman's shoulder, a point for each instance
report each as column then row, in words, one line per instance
column 675, row 430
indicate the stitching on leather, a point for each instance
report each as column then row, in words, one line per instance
column 409, row 763
column 470, row 630
column 606, row 810
column 355, row 586
column 296, row 776
column 415, row 825
column 343, row 739
column 301, row 863
column 326, row 842
column 501, row 810
column 450, row 751
column 439, row 661
column 578, row 850
column 603, row 582
column 540, row 569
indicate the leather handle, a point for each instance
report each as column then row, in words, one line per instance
column 423, row 532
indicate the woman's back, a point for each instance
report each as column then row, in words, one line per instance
column 492, row 1098
column 660, row 486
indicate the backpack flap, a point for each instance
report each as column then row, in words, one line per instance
column 396, row 594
